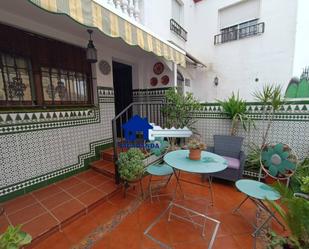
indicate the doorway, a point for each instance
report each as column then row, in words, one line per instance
column 122, row 80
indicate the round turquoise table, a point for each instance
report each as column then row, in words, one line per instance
column 258, row 192
column 209, row 163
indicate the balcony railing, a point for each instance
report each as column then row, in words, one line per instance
column 176, row 28
column 241, row 33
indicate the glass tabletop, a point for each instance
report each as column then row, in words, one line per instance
column 209, row 163
column 257, row 190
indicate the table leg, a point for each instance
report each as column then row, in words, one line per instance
column 239, row 206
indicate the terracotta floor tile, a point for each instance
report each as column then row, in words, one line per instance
column 19, row 203
column 91, row 197
column 56, row 200
column 226, row 242
column 236, row 223
column 87, row 174
column 26, row 214
column 122, row 238
column 40, row 225
column 68, row 183
column 66, row 210
column 160, row 232
column 3, row 223
column 200, row 244
column 44, row 193
column 246, row 241
column 79, row 189
column 97, row 180
column 79, row 229
column 108, row 187
column 57, row 240
column 104, row 212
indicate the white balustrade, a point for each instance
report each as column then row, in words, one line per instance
column 125, row 6
column 131, row 8
column 136, row 10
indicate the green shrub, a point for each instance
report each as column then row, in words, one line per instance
column 14, row 238
column 131, row 165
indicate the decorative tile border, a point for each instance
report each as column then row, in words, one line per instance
column 23, row 187
column 148, row 95
column 106, row 95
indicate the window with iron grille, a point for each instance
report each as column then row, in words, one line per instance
column 42, row 72
column 64, row 87
column 16, row 82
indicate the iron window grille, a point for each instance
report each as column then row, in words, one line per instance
column 177, row 29
column 64, row 87
column 16, row 82
column 237, row 32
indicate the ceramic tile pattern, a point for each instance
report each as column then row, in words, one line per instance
column 32, row 154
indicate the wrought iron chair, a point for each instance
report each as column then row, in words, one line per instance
column 162, row 174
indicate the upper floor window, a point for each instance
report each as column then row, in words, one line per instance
column 42, row 72
column 177, row 11
column 16, row 80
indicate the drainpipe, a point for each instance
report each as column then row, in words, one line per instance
column 175, row 74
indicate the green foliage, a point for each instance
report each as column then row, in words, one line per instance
column 196, row 144
column 253, row 158
column 301, row 172
column 179, row 108
column 235, row 108
column 295, row 214
column 271, row 98
column 14, row 238
column 305, row 184
column 131, row 165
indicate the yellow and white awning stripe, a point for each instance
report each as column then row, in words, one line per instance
column 91, row 14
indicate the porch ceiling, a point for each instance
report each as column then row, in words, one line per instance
column 91, row 14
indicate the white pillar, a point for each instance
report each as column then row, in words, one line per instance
column 175, row 73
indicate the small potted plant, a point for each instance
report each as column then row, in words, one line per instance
column 195, row 147
column 131, row 165
column 14, row 238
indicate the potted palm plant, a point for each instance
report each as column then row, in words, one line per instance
column 195, row 147
column 235, row 109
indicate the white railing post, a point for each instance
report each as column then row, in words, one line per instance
column 110, row 2
column 117, row 4
column 136, row 10
column 125, row 6
column 131, row 8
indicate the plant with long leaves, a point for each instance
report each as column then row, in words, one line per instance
column 235, row 108
column 271, row 98
column 294, row 211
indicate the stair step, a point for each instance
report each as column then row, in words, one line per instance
column 108, row 154
column 105, row 167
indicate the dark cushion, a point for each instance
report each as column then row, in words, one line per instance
column 227, row 145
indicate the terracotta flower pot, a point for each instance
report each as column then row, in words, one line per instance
column 195, row 154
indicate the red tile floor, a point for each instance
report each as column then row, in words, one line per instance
column 119, row 222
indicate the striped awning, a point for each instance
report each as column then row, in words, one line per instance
column 93, row 15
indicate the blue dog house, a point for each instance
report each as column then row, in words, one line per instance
column 134, row 125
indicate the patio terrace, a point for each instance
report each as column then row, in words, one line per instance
column 87, row 211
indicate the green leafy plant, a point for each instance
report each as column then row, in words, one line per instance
column 294, row 211
column 131, row 165
column 14, row 238
column 235, row 108
column 271, row 98
column 305, row 184
column 253, row 158
column 178, row 109
column 195, row 144
column 301, row 172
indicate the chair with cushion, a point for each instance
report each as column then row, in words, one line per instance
column 229, row 147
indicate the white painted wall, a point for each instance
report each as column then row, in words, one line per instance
column 237, row 64
column 301, row 59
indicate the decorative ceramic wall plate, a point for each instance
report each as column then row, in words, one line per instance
column 153, row 81
column 165, row 80
column 158, row 68
column 104, row 67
